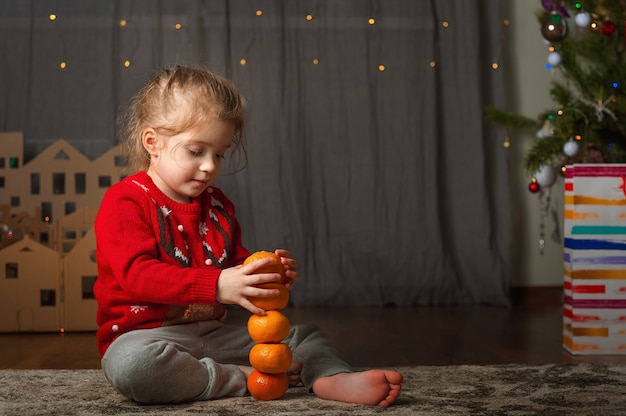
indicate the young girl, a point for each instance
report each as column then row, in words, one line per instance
column 169, row 258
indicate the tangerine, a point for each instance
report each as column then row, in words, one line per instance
column 273, row 302
column 271, row 358
column 270, row 328
column 263, row 386
column 275, row 267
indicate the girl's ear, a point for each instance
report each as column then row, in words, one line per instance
column 149, row 140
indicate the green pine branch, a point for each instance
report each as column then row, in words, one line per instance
column 589, row 96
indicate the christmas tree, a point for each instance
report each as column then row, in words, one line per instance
column 587, row 124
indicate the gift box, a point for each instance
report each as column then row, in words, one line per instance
column 594, row 313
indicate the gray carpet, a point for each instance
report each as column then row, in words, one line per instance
column 556, row 389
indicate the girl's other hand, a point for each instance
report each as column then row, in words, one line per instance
column 290, row 266
column 236, row 284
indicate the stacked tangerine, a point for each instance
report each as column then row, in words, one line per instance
column 270, row 357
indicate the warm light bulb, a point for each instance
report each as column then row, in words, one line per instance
column 495, row 65
column 63, row 64
column 259, row 12
column 242, row 62
column 123, row 22
column 177, row 26
column 371, row 21
column 52, row 17
column 432, row 64
column 381, row 68
column 506, row 22
column 309, row 17
column 445, row 24
column 316, row 61
column 127, row 63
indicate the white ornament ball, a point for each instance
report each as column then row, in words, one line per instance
column 546, row 175
column 583, row 19
column 570, row 148
column 554, row 58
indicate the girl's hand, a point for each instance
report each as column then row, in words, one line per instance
column 236, row 284
column 290, row 266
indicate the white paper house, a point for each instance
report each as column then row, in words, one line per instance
column 58, row 181
column 48, row 205
column 30, row 284
column 80, row 306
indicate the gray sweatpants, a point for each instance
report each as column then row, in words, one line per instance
column 198, row 361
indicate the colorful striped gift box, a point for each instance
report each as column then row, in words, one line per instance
column 594, row 313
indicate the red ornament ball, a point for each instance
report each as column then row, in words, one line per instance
column 608, row 28
column 534, row 187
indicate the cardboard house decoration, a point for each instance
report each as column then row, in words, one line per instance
column 30, row 287
column 47, row 245
column 81, row 271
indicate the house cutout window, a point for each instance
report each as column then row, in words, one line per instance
column 70, row 207
column 58, row 183
column 14, row 162
column 80, row 183
column 48, row 297
column 10, row 270
column 1, row 181
column 2, row 163
column 61, row 156
column 15, row 201
column 46, row 212
column 34, row 183
column 121, row 161
column 87, row 286
column 104, row 181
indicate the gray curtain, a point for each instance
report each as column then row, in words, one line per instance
column 387, row 186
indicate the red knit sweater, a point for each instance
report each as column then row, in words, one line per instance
column 159, row 260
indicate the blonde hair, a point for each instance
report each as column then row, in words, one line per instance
column 175, row 100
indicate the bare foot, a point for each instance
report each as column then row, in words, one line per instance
column 293, row 372
column 372, row 387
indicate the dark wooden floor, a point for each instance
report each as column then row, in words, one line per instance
column 528, row 332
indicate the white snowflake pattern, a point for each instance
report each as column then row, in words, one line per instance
column 203, row 229
column 137, row 308
column 213, row 216
column 224, row 255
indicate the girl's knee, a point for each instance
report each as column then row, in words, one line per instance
column 135, row 369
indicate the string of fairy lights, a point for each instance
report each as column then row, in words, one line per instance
column 127, row 62
column 129, row 23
